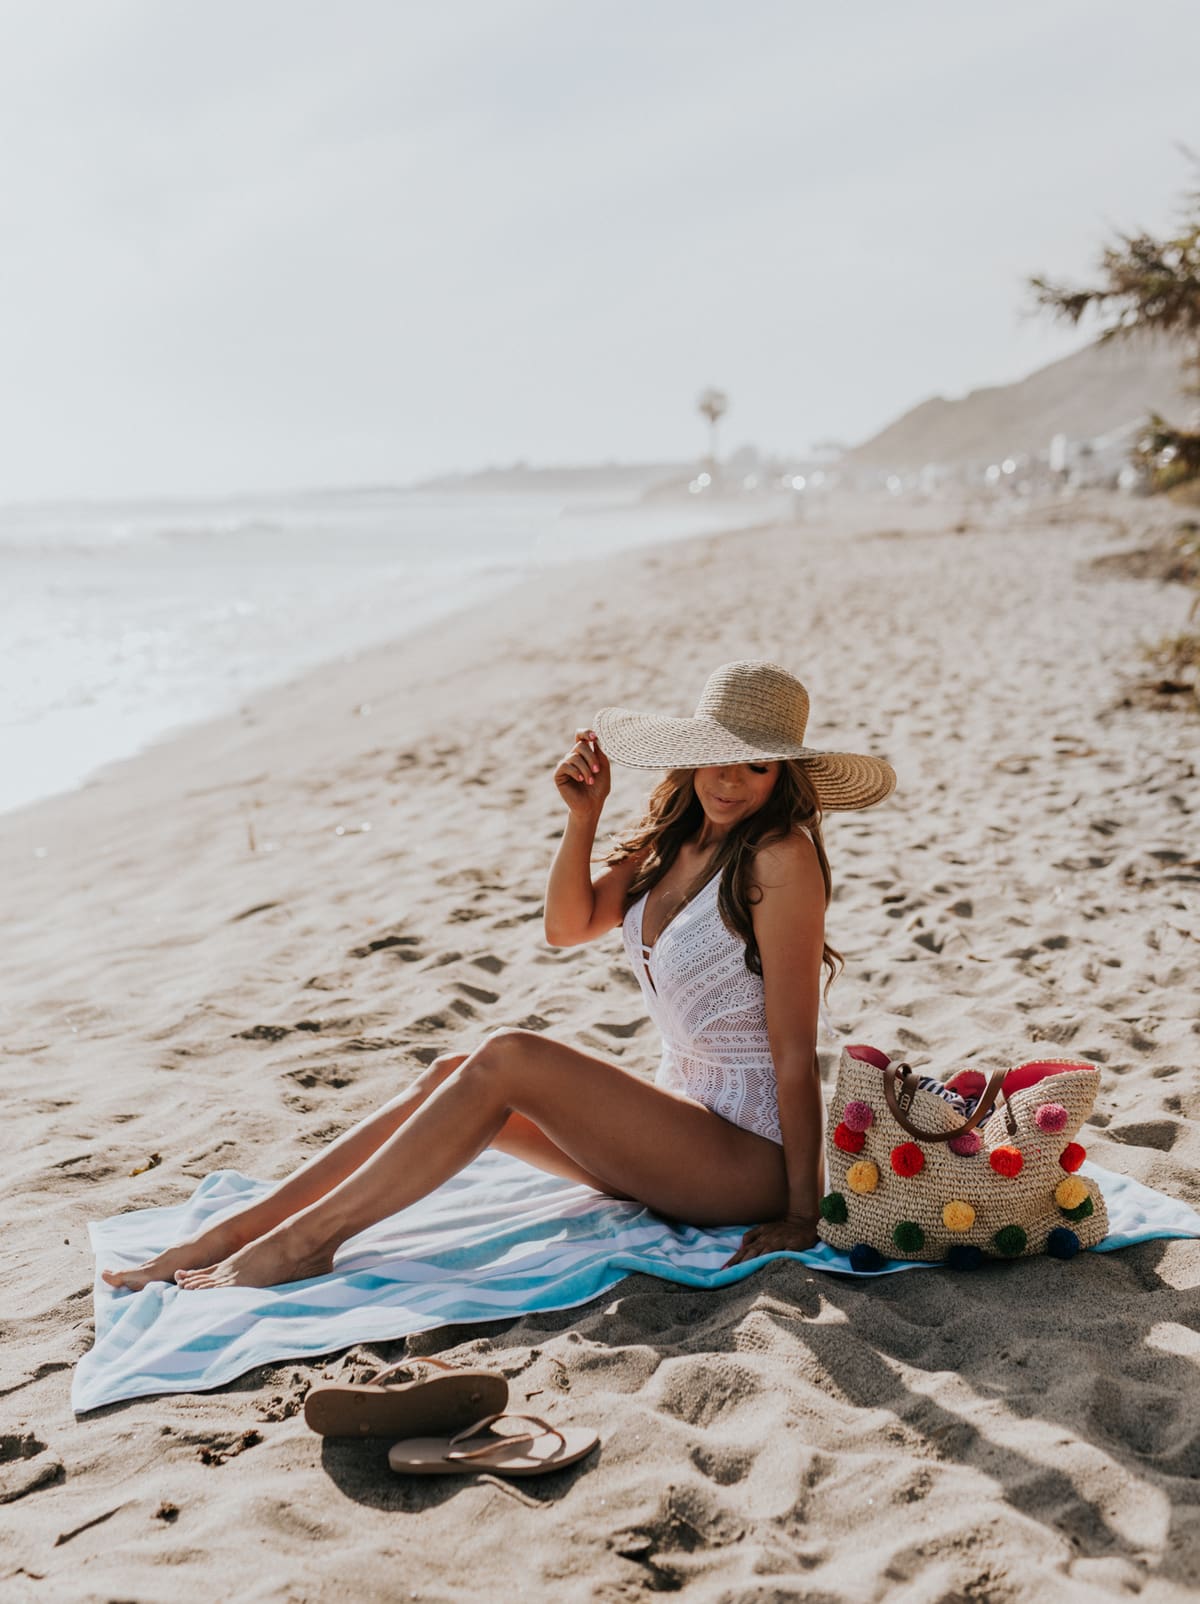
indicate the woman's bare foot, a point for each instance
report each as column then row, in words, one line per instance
column 273, row 1259
column 217, row 1243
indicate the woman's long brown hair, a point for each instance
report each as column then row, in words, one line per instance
column 673, row 814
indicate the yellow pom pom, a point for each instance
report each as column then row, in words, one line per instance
column 863, row 1176
column 1069, row 1194
column 958, row 1216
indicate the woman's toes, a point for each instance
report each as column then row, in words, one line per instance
column 134, row 1280
column 187, row 1278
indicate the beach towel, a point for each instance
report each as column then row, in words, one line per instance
column 498, row 1240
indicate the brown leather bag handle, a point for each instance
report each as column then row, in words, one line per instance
column 900, row 1101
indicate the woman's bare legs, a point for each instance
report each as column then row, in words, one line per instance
column 636, row 1139
column 327, row 1169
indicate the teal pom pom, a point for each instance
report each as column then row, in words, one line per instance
column 1010, row 1240
column 1061, row 1243
column 864, row 1257
column 909, row 1237
column 963, row 1256
column 1080, row 1211
column 833, row 1208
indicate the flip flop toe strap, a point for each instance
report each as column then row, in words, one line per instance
column 506, row 1442
column 406, row 1364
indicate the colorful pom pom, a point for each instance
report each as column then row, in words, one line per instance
column 908, row 1159
column 858, row 1116
column 909, row 1237
column 1010, row 1240
column 1006, row 1160
column 968, row 1083
column 963, row 1256
column 1080, row 1211
column 849, row 1141
column 966, row 1144
column 864, row 1257
column 1061, row 1243
column 958, row 1216
column 863, row 1176
column 1072, row 1156
column 1051, row 1117
column 833, row 1208
column 1069, row 1194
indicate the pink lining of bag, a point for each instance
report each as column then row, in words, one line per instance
column 1017, row 1080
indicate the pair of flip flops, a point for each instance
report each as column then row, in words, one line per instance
column 444, row 1423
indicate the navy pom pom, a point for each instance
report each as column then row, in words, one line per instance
column 864, row 1257
column 963, row 1256
column 1061, row 1243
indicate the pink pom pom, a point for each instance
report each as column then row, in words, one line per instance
column 858, row 1116
column 966, row 1143
column 1051, row 1117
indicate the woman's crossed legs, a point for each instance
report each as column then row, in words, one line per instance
column 561, row 1109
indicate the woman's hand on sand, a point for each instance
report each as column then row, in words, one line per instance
column 583, row 777
column 791, row 1235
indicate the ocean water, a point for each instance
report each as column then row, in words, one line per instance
column 121, row 622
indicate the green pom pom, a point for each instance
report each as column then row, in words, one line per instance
column 1010, row 1240
column 833, row 1208
column 909, row 1237
column 1080, row 1211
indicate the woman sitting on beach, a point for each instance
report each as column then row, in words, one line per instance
column 721, row 893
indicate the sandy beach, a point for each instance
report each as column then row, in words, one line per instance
column 228, row 949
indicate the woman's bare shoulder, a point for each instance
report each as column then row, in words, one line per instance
column 787, row 860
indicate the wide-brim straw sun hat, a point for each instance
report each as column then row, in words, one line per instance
column 748, row 712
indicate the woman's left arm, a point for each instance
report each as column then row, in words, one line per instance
column 789, row 926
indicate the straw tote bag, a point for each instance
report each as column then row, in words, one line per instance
column 910, row 1178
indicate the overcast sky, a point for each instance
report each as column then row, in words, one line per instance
column 270, row 243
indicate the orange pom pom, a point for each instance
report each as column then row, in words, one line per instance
column 1006, row 1160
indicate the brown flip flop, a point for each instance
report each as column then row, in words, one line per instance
column 523, row 1453
column 438, row 1403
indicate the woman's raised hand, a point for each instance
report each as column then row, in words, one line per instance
column 583, row 777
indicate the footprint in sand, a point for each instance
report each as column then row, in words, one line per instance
column 407, row 948
column 248, row 913
column 621, row 1028
column 25, row 1466
column 724, row 1465
column 489, row 963
column 701, row 1390
column 331, row 1077
column 478, row 993
column 1160, row 1134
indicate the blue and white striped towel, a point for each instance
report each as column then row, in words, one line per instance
column 498, row 1240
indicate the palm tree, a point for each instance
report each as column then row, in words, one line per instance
column 1154, row 285
column 713, row 404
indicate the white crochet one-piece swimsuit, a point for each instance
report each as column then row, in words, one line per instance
column 710, row 1010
